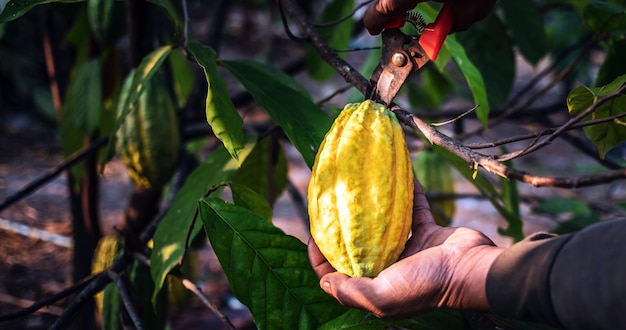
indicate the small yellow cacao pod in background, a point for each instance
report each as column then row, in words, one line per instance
column 106, row 250
column 360, row 193
column 148, row 139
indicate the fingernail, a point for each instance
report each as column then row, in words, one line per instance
column 326, row 284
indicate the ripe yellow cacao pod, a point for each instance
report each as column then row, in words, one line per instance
column 148, row 139
column 103, row 256
column 361, row 191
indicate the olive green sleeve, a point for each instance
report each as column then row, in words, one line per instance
column 575, row 281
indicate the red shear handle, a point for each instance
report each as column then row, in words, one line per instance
column 435, row 33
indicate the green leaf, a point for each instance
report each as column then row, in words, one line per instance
column 100, row 14
column 511, row 201
column 152, row 317
column 472, row 76
column 435, row 175
column 614, row 64
column 111, row 308
column 245, row 196
column 83, row 102
column 265, row 169
column 82, row 109
column 221, row 114
column 268, row 270
column 605, row 17
column 174, row 16
column 183, row 79
column 485, row 188
column 432, row 89
column 489, row 48
column 604, row 136
column 578, row 214
column 169, row 238
column 12, row 9
column 337, row 35
column 526, row 27
column 283, row 98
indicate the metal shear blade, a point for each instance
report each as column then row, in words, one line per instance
column 401, row 55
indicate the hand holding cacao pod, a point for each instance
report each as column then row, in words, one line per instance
column 361, row 191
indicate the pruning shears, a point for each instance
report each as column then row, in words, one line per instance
column 403, row 54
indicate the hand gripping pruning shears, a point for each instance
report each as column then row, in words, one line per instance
column 403, row 54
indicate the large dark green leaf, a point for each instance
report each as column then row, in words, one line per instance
column 473, row 77
column 246, row 197
column 433, row 88
column 12, row 9
column 526, row 27
column 83, row 106
column 614, row 64
column 604, row 136
column 286, row 102
column 337, row 35
column 268, row 270
column 490, row 49
column 221, row 114
column 169, row 238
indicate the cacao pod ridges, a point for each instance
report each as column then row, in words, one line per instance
column 361, row 191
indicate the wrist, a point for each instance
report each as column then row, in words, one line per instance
column 471, row 276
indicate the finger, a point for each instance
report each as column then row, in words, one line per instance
column 352, row 292
column 383, row 12
column 421, row 209
column 467, row 13
column 320, row 265
column 423, row 225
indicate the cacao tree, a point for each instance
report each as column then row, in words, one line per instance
column 155, row 84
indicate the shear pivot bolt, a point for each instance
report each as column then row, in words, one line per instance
column 398, row 59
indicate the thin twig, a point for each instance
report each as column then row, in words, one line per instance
column 47, row 301
column 536, row 146
column 53, row 172
column 189, row 285
column 286, row 27
column 560, row 57
column 332, row 95
column 547, row 131
column 185, row 23
column 455, row 118
column 533, row 98
column 335, row 22
column 126, row 298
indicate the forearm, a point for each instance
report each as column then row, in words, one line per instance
column 572, row 281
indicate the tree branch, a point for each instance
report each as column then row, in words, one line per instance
column 353, row 77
